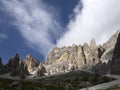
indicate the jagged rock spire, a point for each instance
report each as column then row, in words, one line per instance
column 92, row 44
column 31, row 63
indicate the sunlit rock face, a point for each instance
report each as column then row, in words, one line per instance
column 101, row 59
column 31, row 63
column 112, row 41
column 73, row 57
column 88, row 57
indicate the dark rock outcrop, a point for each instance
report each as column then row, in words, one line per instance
column 115, row 63
column 23, row 70
column 110, row 60
column 13, row 65
column 1, row 66
column 40, row 71
column 16, row 67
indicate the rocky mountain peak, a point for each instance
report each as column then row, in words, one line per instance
column 93, row 44
column 29, row 57
column 72, row 57
column 112, row 41
column 31, row 63
column 16, row 57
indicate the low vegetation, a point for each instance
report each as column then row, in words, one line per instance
column 115, row 88
column 69, row 81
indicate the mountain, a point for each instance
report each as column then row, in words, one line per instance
column 31, row 63
column 74, row 57
column 67, row 68
column 15, row 67
column 86, row 57
column 101, row 59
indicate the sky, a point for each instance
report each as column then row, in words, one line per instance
column 36, row 26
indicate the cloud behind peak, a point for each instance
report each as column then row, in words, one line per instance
column 97, row 19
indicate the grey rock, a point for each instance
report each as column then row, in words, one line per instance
column 115, row 63
column 31, row 63
column 40, row 71
column 112, row 41
column 23, row 70
column 73, row 57
column 13, row 65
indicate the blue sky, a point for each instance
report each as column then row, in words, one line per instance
column 11, row 40
column 36, row 26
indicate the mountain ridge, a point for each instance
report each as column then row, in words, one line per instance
column 68, row 58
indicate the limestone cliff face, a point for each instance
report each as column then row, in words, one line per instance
column 31, row 63
column 73, row 57
column 95, row 57
column 110, row 59
column 112, row 41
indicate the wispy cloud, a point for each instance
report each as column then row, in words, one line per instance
column 98, row 19
column 36, row 21
column 2, row 36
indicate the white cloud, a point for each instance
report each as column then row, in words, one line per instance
column 36, row 21
column 98, row 19
column 2, row 36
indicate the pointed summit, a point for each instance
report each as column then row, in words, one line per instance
column 31, row 63
column 16, row 57
column 92, row 44
column 112, row 41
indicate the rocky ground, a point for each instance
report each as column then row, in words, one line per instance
column 69, row 81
